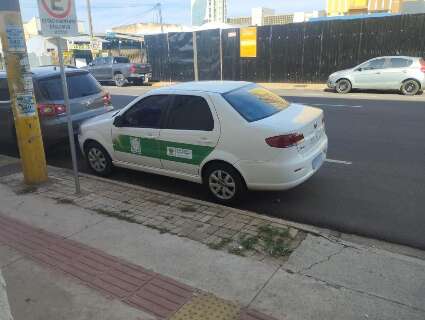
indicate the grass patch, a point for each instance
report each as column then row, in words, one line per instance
column 248, row 243
column 275, row 242
column 219, row 245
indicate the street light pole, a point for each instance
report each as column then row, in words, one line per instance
column 159, row 6
column 90, row 18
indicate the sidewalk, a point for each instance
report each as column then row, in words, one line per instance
column 125, row 252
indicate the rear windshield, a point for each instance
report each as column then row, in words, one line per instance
column 79, row 85
column 255, row 103
column 4, row 90
column 121, row 60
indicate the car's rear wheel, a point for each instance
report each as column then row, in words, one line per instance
column 224, row 183
column 410, row 87
column 343, row 86
column 120, row 80
column 98, row 159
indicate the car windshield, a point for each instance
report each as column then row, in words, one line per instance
column 121, row 60
column 79, row 85
column 254, row 103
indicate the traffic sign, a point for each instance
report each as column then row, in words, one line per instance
column 58, row 18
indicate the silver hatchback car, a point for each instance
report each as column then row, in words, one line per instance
column 406, row 74
column 87, row 98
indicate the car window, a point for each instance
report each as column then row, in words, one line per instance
column 4, row 90
column 79, row 85
column 400, row 63
column 97, row 61
column 121, row 60
column 147, row 112
column 374, row 64
column 255, row 103
column 190, row 113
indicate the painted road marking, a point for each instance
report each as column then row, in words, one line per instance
column 334, row 105
column 339, row 161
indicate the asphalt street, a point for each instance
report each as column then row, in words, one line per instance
column 372, row 185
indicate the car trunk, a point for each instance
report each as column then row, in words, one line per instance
column 297, row 119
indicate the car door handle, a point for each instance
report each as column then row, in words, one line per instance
column 205, row 140
column 377, row 73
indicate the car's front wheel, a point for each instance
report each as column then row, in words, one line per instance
column 120, row 80
column 98, row 159
column 410, row 88
column 224, row 183
column 343, row 86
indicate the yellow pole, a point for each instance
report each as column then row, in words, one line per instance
column 19, row 78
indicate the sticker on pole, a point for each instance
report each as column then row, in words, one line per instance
column 58, row 18
column 25, row 104
column 15, row 38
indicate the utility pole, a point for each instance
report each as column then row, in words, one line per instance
column 21, row 91
column 90, row 18
column 159, row 6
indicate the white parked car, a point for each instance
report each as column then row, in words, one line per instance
column 406, row 74
column 230, row 136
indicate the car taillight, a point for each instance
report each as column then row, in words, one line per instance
column 133, row 68
column 285, row 141
column 106, row 99
column 51, row 110
column 422, row 61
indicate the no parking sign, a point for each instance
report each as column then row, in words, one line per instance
column 58, row 18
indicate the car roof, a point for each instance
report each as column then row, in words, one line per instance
column 47, row 71
column 404, row 57
column 206, row 86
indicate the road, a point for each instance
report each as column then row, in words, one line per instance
column 373, row 184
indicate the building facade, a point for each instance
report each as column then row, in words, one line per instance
column 146, row 28
column 216, row 11
column 412, row 6
column 198, row 9
column 240, row 21
column 345, row 7
column 351, row 7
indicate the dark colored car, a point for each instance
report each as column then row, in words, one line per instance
column 87, row 98
column 119, row 70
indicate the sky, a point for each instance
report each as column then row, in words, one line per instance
column 109, row 13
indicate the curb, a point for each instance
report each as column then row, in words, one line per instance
column 4, row 302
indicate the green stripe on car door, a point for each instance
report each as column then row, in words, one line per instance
column 161, row 149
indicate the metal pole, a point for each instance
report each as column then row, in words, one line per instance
column 68, row 114
column 221, row 54
column 195, row 57
column 160, row 17
column 90, row 18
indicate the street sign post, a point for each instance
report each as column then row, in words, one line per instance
column 59, row 19
column 19, row 77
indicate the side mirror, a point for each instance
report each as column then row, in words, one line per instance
column 91, row 64
column 118, row 121
column 359, row 69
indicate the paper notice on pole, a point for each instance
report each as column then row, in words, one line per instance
column 15, row 38
column 25, row 105
column 58, row 18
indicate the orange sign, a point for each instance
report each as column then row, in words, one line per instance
column 248, row 42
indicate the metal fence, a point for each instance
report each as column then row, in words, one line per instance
column 298, row 52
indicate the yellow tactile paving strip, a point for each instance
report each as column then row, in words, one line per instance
column 208, row 307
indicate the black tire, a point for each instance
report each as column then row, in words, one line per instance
column 343, row 86
column 410, row 88
column 120, row 80
column 229, row 184
column 98, row 159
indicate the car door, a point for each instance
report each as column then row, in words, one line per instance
column 370, row 75
column 6, row 113
column 190, row 133
column 136, row 136
column 106, row 68
column 94, row 68
column 396, row 72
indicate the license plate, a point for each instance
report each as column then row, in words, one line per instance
column 318, row 161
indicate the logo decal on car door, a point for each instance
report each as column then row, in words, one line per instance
column 135, row 145
column 179, row 153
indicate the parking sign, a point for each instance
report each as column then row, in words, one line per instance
column 58, row 18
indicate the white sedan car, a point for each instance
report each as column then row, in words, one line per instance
column 230, row 136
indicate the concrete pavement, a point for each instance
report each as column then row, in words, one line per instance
column 4, row 301
column 324, row 278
